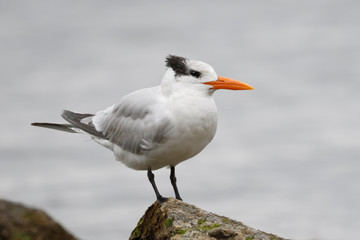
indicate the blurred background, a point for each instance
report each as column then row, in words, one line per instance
column 285, row 158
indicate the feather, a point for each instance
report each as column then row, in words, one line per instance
column 76, row 120
column 56, row 126
column 133, row 124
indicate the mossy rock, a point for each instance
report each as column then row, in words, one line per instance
column 18, row 222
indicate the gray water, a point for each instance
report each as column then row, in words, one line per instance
column 285, row 158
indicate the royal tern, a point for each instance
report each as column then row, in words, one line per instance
column 161, row 126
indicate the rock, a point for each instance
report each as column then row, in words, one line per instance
column 18, row 222
column 175, row 219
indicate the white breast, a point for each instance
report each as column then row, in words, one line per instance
column 195, row 122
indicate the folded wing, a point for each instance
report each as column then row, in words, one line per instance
column 132, row 124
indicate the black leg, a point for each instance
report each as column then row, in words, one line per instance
column 151, row 177
column 173, row 182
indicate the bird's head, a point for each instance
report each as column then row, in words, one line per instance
column 199, row 74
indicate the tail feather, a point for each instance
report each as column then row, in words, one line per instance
column 56, row 126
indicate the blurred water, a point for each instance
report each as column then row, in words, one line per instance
column 285, row 158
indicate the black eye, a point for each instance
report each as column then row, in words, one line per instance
column 195, row 73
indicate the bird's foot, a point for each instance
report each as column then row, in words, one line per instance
column 161, row 199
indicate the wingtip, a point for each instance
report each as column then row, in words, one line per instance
column 38, row 124
column 64, row 112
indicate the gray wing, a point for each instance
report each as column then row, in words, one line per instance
column 139, row 123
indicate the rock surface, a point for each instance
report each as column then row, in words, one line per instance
column 175, row 219
column 171, row 220
column 18, row 222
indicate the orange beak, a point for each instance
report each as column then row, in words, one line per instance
column 227, row 83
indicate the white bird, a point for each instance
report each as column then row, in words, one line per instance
column 161, row 126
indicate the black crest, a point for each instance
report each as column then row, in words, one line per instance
column 178, row 64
